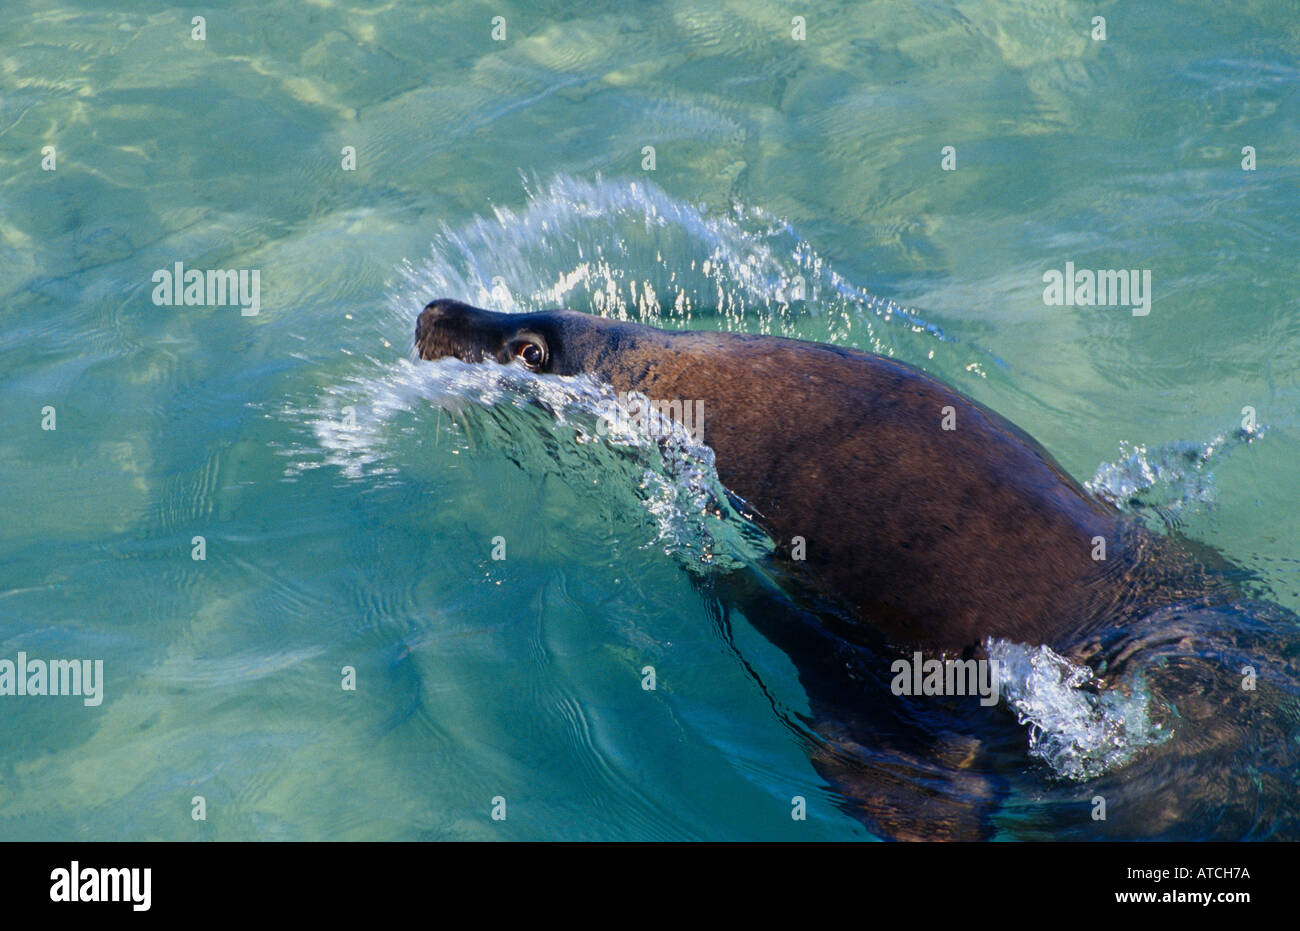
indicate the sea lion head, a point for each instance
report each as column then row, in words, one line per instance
column 557, row 342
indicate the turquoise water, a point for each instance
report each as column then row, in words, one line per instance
column 512, row 174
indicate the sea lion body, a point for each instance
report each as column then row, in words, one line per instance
column 938, row 539
column 935, row 520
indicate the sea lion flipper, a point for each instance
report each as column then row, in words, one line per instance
column 903, row 797
column 926, row 787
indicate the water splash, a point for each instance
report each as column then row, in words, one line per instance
column 559, row 422
column 1077, row 730
column 1174, row 480
column 616, row 248
column 631, row 251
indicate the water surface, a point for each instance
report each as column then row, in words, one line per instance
column 510, row 174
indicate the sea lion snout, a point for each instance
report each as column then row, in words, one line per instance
column 450, row 328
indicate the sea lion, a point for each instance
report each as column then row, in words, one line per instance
column 935, row 520
column 930, row 522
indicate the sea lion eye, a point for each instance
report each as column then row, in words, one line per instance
column 530, row 352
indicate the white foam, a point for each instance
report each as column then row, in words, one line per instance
column 1174, row 479
column 1080, row 733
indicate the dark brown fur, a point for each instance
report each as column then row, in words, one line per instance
column 936, row 538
